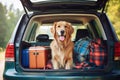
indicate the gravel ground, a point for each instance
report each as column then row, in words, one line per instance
column 1, row 65
column 1, row 69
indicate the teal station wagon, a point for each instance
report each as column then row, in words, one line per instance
column 88, row 18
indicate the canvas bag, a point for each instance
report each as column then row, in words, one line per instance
column 81, row 49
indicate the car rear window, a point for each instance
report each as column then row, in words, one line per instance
column 45, row 29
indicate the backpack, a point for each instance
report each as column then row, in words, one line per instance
column 81, row 49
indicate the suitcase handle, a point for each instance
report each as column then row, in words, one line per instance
column 35, row 53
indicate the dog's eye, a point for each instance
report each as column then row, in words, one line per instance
column 65, row 26
column 58, row 26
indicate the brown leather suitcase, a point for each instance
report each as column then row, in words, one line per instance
column 38, row 57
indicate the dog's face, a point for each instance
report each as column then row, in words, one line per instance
column 62, row 30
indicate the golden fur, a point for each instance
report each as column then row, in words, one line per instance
column 62, row 46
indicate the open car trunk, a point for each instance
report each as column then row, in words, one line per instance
column 35, row 52
column 48, row 5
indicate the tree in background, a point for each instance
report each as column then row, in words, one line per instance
column 113, row 12
column 3, row 25
column 8, row 20
column 13, row 16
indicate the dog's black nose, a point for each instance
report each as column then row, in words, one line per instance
column 62, row 32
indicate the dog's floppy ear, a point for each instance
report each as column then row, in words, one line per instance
column 71, row 28
column 53, row 29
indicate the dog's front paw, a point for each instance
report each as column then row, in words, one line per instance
column 68, row 66
column 55, row 64
column 55, row 67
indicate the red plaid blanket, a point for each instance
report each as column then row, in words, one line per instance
column 97, row 53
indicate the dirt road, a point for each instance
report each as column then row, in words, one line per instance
column 1, row 65
column 1, row 69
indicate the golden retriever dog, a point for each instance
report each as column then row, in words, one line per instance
column 62, row 46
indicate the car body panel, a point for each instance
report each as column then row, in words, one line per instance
column 12, row 74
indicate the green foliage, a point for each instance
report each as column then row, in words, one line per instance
column 8, row 20
column 3, row 25
column 113, row 12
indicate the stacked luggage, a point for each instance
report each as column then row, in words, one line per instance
column 90, row 53
column 35, row 57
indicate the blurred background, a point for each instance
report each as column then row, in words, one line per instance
column 11, row 10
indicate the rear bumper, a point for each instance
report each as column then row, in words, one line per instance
column 11, row 74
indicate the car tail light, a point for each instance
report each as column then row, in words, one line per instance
column 117, row 51
column 9, row 55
